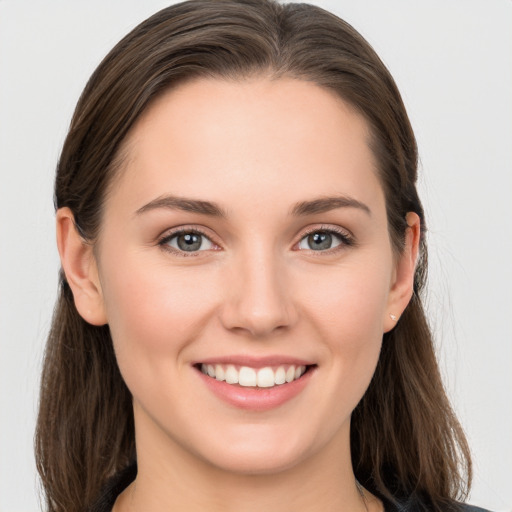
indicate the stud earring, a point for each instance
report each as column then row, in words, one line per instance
column 393, row 317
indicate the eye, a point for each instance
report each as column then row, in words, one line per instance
column 323, row 240
column 188, row 241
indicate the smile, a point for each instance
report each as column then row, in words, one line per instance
column 256, row 384
column 246, row 376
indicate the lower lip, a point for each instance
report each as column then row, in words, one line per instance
column 256, row 399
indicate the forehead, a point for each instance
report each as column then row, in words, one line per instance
column 259, row 139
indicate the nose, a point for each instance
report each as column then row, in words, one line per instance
column 258, row 298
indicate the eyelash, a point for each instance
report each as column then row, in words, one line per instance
column 164, row 241
column 347, row 240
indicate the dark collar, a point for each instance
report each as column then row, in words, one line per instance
column 113, row 488
column 118, row 483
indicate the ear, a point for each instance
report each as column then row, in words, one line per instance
column 403, row 279
column 79, row 265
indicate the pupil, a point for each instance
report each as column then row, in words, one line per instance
column 320, row 240
column 189, row 242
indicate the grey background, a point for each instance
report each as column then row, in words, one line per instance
column 452, row 61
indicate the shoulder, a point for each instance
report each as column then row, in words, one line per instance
column 472, row 508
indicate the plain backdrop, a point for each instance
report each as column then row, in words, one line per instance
column 452, row 61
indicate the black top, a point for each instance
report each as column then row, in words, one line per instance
column 116, row 485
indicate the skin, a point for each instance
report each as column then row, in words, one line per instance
column 257, row 288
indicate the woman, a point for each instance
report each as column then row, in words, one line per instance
column 240, row 323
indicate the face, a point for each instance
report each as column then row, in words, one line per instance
column 246, row 237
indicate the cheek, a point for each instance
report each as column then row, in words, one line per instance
column 349, row 300
column 347, row 307
column 153, row 313
column 359, row 328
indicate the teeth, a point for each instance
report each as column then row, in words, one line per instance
column 219, row 372
column 265, row 378
column 250, row 377
column 280, row 377
column 231, row 374
column 247, row 376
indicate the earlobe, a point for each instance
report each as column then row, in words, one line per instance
column 403, row 285
column 79, row 265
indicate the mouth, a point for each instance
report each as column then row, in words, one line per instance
column 250, row 377
column 255, row 384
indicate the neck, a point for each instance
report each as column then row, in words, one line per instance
column 175, row 479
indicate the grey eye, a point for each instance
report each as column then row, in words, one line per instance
column 320, row 241
column 190, row 242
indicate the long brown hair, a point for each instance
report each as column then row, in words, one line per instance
column 405, row 439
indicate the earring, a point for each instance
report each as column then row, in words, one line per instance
column 393, row 317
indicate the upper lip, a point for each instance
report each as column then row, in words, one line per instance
column 256, row 361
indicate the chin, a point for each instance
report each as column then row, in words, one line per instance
column 254, row 461
column 258, row 453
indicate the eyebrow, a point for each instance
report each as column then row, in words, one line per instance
column 303, row 208
column 184, row 204
column 325, row 204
